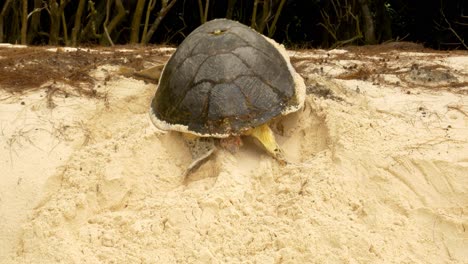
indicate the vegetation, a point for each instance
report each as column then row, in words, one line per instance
column 440, row 24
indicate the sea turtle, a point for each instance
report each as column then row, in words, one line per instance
column 225, row 80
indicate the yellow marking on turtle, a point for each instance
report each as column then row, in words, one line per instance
column 218, row 31
column 266, row 137
column 189, row 136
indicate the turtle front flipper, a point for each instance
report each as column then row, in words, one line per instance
column 266, row 137
column 200, row 149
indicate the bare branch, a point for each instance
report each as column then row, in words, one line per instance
column 207, row 6
column 452, row 30
column 230, row 8
column 149, row 9
column 200, row 10
column 266, row 10
column 166, row 7
column 136, row 21
column 118, row 18
column 77, row 25
column 369, row 30
column 272, row 29
column 24, row 22
column 55, row 11
column 105, row 22
column 36, row 10
column 253, row 21
column 65, row 31
column 203, row 10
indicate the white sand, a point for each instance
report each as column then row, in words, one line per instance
column 377, row 176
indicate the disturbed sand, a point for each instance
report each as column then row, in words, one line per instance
column 378, row 172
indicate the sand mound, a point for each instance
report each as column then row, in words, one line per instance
column 378, row 174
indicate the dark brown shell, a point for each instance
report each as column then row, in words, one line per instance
column 223, row 79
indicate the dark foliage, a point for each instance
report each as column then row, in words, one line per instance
column 439, row 24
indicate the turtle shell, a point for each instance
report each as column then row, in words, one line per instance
column 224, row 79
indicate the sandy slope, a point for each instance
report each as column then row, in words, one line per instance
column 379, row 174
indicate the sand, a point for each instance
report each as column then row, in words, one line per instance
column 378, row 172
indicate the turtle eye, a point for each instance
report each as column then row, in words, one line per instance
column 218, row 31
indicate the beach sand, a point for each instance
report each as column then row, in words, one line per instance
column 378, row 168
